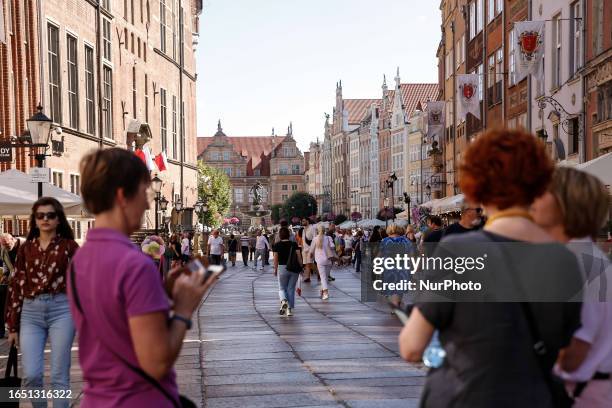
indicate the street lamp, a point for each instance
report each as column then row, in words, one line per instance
column 390, row 184
column 39, row 126
column 407, row 201
column 156, row 185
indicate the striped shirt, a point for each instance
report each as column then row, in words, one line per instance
column 244, row 241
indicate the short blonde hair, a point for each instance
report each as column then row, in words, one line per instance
column 583, row 200
column 395, row 229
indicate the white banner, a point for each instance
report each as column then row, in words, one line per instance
column 435, row 119
column 2, row 28
column 467, row 93
column 529, row 49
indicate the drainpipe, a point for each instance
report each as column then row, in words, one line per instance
column 503, row 78
column 40, row 52
column 454, row 129
column 529, row 91
column 181, row 67
column 582, row 129
column 99, row 81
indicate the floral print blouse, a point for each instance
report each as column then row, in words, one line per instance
column 37, row 271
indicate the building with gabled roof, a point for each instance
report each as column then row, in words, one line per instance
column 274, row 161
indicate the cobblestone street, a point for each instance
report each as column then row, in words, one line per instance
column 241, row 353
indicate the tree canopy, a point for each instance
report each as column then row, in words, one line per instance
column 300, row 204
column 214, row 190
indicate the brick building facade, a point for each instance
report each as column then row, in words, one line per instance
column 99, row 69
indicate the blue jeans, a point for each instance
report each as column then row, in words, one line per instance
column 42, row 317
column 260, row 253
column 286, row 285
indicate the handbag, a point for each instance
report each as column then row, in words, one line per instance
column 293, row 265
column 11, row 381
column 183, row 402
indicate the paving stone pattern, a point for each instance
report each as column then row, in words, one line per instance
column 334, row 353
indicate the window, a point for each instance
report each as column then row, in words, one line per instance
column 75, row 184
column 174, row 24
column 174, row 127
column 55, row 93
column 283, row 169
column 238, row 172
column 575, row 42
column 132, row 10
column 284, row 187
column 163, row 119
column 57, row 179
column 226, row 155
column 146, row 88
column 107, row 103
column 106, row 39
column 573, row 136
column 511, row 60
column 125, row 38
column 214, row 156
column 499, row 6
column 238, row 195
column 257, row 172
column 295, row 169
column 162, row 25
column 73, row 82
column 480, row 72
column 499, row 65
column 472, row 19
column 228, row 171
column 125, row 9
column 284, row 197
column 491, row 71
column 90, row 107
column 491, row 10
column 106, row 4
column 141, row 12
column 132, row 43
column 134, row 92
column 556, row 57
column 597, row 28
column 479, row 15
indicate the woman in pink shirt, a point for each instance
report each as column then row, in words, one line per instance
column 130, row 333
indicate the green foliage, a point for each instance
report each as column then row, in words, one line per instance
column 214, row 190
column 299, row 201
column 340, row 218
column 276, row 210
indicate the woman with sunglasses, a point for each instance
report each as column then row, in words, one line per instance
column 38, row 307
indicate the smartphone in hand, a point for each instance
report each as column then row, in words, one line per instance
column 196, row 266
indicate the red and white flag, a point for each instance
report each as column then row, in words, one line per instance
column 160, row 162
column 467, row 93
column 529, row 49
column 149, row 159
column 141, row 155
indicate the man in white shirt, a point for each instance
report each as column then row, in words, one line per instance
column 185, row 248
column 216, row 248
column 261, row 245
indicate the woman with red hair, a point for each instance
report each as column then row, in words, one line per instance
column 489, row 347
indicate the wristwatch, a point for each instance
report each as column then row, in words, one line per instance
column 185, row 320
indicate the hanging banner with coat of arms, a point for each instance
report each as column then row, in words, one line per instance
column 529, row 49
column 467, row 93
column 435, row 119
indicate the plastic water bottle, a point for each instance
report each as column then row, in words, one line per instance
column 434, row 354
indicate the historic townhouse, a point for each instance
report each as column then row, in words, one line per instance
column 110, row 73
column 274, row 161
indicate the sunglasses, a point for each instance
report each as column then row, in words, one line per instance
column 48, row 215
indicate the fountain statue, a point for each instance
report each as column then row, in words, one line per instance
column 257, row 209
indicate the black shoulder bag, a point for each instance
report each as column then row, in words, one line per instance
column 293, row 264
column 183, row 402
column 11, row 381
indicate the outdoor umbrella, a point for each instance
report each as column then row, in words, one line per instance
column 18, row 193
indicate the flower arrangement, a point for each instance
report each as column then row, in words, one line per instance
column 153, row 246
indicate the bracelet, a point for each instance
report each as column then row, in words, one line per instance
column 185, row 320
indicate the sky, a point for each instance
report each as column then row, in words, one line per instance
column 262, row 64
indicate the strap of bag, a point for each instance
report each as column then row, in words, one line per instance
column 135, row 369
column 11, row 365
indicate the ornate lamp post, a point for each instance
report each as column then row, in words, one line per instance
column 156, row 185
column 407, row 201
column 390, row 182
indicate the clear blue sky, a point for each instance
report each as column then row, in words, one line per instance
column 264, row 63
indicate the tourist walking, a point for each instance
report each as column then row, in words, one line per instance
column 490, row 347
column 216, row 248
column 185, row 248
column 394, row 244
column 130, row 334
column 9, row 246
column 288, row 259
column 244, row 248
column 573, row 210
column 252, row 244
column 358, row 245
column 261, row 245
column 308, row 233
column 470, row 220
column 37, row 307
column 232, row 248
column 266, row 255
column 323, row 250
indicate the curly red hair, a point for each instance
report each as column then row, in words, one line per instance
column 505, row 168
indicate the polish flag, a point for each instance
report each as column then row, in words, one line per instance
column 159, row 160
column 149, row 159
column 141, row 155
